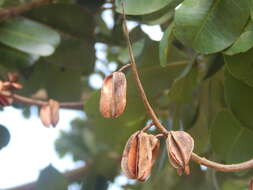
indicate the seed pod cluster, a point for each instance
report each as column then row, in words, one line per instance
column 139, row 155
column 179, row 147
column 49, row 113
column 141, row 151
column 113, row 95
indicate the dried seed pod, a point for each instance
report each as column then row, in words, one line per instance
column 113, row 95
column 139, row 155
column 45, row 115
column 180, row 146
column 54, row 106
column 49, row 113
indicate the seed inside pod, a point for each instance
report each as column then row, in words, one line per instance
column 139, row 155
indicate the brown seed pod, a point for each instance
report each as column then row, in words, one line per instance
column 45, row 115
column 180, row 146
column 113, row 95
column 139, row 155
column 54, row 106
column 49, row 113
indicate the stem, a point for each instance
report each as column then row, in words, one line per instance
column 30, row 101
column 150, row 111
column 124, row 67
column 222, row 167
column 10, row 12
column 148, row 107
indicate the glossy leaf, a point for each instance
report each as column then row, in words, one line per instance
column 251, row 10
column 242, row 44
column 28, row 36
column 141, row 7
column 51, row 179
column 182, row 88
column 238, row 96
column 165, row 45
column 74, row 54
column 150, row 55
column 214, row 65
column 70, row 19
column 55, row 83
column 137, row 49
column 230, row 140
column 241, row 66
column 209, row 26
column 13, row 59
column 159, row 17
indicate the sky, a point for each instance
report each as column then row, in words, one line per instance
column 31, row 147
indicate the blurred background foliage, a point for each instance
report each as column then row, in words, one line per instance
column 198, row 78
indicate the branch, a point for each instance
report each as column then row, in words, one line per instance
column 157, row 123
column 30, row 101
column 148, row 107
column 9, row 12
column 72, row 176
column 222, row 167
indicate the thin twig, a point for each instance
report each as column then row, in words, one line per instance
column 222, row 167
column 137, row 79
column 147, row 127
column 150, row 111
column 10, row 12
column 31, row 101
column 124, row 67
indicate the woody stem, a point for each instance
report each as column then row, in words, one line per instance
column 30, row 101
column 203, row 161
column 148, row 107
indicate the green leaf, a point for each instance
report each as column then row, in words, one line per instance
column 13, row 59
column 182, row 88
column 209, row 26
column 137, row 50
column 165, row 45
column 60, row 83
column 238, row 96
column 214, row 65
column 28, row 36
column 241, row 66
column 74, row 54
column 67, row 18
column 251, row 10
column 243, row 43
column 4, row 136
column 158, row 17
column 234, row 184
column 150, row 55
column 51, row 179
column 229, row 139
column 141, row 7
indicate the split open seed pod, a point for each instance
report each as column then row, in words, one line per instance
column 179, row 147
column 113, row 95
column 139, row 155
